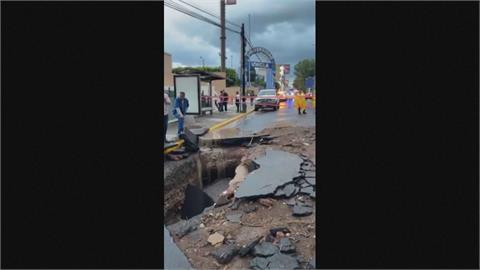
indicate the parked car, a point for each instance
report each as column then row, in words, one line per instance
column 281, row 95
column 267, row 98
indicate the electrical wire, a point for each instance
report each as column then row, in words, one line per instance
column 193, row 14
column 207, row 12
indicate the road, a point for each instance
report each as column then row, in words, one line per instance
column 256, row 121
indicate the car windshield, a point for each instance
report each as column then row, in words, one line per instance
column 267, row 93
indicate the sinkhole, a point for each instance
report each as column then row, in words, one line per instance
column 195, row 183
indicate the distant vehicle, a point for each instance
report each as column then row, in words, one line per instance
column 308, row 96
column 267, row 98
column 281, row 95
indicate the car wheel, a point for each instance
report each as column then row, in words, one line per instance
column 256, row 109
column 275, row 108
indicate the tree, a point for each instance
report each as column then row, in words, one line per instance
column 298, row 83
column 260, row 81
column 303, row 69
column 253, row 75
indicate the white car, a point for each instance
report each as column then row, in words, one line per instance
column 267, row 98
column 281, row 95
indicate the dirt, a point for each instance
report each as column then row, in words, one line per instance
column 257, row 223
column 297, row 140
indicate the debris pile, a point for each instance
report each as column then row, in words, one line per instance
column 276, row 251
column 264, row 220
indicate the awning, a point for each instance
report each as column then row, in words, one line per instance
column 204, row 75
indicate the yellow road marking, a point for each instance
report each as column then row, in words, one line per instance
column 228, row 121
column 179, row 143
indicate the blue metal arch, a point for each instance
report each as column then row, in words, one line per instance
column 270, row 71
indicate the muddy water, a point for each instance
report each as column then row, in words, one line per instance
column 215, row 189
column 173, row 256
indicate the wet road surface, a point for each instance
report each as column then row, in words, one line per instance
column 173, row 256
column 256, row 121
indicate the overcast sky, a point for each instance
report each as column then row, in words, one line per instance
column 285, row 27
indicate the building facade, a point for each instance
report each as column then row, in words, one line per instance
column 168, row 82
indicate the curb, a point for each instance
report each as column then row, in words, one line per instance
column 214, row 127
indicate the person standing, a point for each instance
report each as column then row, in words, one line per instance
column 220, row 102
column 215, row 100
column 251, row 97
column 237, row 101
column 225, row 100
column 303, row 102
column 180, row 109
column 300, row 103
column 166, row 109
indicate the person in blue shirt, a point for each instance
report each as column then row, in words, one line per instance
column 180, row 110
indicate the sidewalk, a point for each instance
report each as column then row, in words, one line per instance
column 206, row 121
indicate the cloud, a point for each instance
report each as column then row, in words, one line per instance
column 285, row 27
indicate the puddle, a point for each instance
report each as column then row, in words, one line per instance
column 265, row 180
column 173, row 256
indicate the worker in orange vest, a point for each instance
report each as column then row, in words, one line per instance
column 300, row 102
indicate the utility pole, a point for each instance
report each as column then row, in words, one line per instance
column 242, row 62
column 222, row 34
column 249, row 37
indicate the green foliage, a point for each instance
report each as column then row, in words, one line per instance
column 253, row 75
column 299, row 83
column 303, row 69
column 232, row 79
column 259, row 81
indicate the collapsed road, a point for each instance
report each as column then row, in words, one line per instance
column 263, row 194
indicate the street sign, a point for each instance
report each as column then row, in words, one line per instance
column 310, row 82
column 231, row 2
column 260, row 64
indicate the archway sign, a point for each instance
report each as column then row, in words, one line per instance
column 269, row 65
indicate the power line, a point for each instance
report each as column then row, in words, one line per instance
column 251, row 47
column 193, row 14
column 179, row 8
column 207, row 12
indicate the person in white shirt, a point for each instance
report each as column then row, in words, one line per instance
column 166, row 109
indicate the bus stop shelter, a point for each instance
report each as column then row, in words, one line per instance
column 204, row 99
